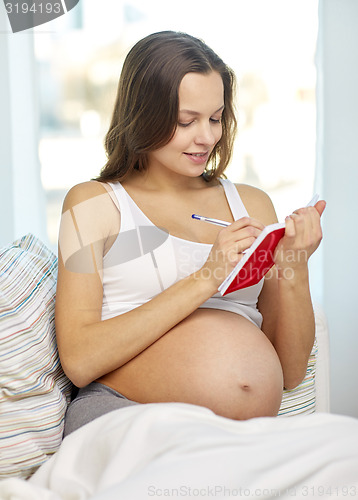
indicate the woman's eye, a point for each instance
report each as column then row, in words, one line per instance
column 212, row 120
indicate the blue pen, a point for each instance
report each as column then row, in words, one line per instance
column 217, row 222
column 223, row 223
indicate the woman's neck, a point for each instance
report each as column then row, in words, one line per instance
column 169, row 182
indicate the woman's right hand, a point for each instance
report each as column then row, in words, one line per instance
column 228, row 248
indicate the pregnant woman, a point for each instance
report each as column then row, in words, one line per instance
column 138, row 315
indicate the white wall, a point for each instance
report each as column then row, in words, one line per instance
column 22, row 200
column 337, row 176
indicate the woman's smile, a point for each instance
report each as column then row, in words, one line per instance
column 198, row 158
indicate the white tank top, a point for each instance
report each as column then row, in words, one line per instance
column 145, row 260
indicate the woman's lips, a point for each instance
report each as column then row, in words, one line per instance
column 198, row 158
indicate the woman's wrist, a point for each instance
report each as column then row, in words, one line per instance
column 293, row 275
column 206, row 281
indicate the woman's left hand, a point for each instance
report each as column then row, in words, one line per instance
column 302, row 237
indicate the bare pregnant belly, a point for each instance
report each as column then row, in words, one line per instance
column 213, row 358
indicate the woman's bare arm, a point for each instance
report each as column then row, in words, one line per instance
column 285, row 301
column 88, row 346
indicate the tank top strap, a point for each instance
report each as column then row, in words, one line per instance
column 236, row 205
column 120, row 199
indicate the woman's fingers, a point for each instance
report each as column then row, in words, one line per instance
column 246, row 222
column 241, row 234
column 307, row 223
column 320, row 206
column 230, row 244
column 290, row 231
column 244, row 231
column 303, row 234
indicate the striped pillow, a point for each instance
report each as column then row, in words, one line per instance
column 34, row 391
column 302, row 399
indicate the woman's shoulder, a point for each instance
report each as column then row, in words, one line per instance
column 258, row 203
column 90, row 207
column 84, row 192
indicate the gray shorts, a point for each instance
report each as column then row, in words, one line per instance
column 91, row 402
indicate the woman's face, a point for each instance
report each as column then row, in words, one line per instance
column 201, row 103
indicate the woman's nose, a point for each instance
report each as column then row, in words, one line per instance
column 205, row 135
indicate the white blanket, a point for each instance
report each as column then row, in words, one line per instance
column 172, row 450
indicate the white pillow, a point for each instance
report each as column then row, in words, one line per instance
column 34, row 391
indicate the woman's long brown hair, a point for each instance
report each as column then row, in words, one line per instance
column 145, row 114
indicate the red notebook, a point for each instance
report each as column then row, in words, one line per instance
column 257, row 260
